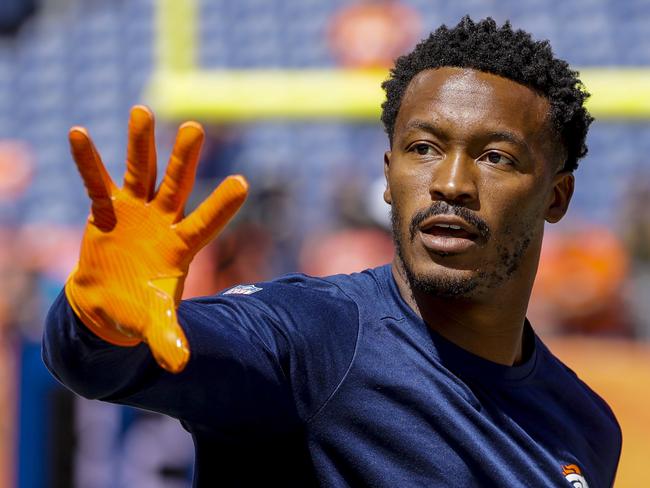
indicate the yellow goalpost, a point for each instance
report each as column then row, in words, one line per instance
column 179, row 88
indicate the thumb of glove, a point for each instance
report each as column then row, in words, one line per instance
column 166, row 338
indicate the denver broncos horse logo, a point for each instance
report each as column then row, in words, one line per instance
column 574, row 476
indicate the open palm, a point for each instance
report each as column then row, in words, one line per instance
column 138, row 245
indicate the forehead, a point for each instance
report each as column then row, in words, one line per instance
column 469, row 100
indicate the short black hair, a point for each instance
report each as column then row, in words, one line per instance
column 505, row 52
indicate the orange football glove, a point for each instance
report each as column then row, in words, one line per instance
column 137, row 246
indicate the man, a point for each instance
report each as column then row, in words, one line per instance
column 422, row 373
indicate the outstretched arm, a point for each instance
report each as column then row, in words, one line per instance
column 121, row 312
column 261, row 362
column 234, row 376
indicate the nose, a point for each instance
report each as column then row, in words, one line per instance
column 454, row 179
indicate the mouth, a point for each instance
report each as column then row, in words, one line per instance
column 448, row 234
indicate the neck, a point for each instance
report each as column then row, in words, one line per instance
column 491, row 328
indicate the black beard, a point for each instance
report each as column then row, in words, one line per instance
column 510, row 257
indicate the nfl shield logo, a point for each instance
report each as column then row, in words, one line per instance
column 242, row 290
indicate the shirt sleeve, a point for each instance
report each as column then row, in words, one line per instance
column 256, row 362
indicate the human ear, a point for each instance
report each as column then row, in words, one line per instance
column 387, row 196
column 560, row 196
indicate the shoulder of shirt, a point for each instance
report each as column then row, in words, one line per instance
column 310, row 324
column 296, row 300
column 295, row 285
column 559, row 369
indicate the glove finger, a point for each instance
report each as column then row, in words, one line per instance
column 198, row 228
column 98, row 182
column 140, row 175
column 179, row 177
column 165, row 337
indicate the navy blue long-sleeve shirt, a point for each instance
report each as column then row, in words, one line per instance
column 336, row 382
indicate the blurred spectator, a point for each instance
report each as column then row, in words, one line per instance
column 241, row 254
column 346, row 251
column 360, row 239
column 579, row 285
column 248, row 249
column 16, row 169
column 48, row 253
column 371, row 34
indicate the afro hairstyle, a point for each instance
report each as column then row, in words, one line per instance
column 505, row 52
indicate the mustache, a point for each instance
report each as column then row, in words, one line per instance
column 443, row 208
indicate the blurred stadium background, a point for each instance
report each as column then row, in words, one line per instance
column 289, row 93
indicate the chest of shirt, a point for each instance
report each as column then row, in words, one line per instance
column 401, row 418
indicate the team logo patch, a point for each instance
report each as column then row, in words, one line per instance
column 242, row 290
column 573, row 474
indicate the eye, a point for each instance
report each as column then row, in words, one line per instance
column 422, row 149
column 496, row 158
